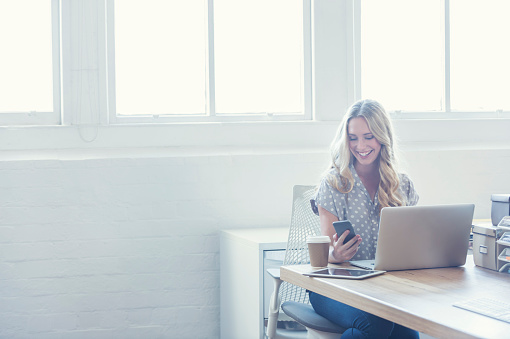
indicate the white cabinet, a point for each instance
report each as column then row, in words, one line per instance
column 245, row 254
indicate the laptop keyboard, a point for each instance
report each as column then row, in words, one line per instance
column 489, row 307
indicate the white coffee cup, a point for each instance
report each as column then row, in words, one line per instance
column 318, row 248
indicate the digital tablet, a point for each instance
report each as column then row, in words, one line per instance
column 343, row 273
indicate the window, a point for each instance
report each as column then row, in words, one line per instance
column 199, row 60
column 401, row 54
column 479, row 51
column 29, row 63
column 436, row 56
column 160, row 63
column 249, row 60
column 226, row 78
column 259, row 64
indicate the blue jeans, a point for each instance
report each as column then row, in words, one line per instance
column 359, row 324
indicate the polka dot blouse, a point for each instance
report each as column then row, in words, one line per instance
column 358, row 207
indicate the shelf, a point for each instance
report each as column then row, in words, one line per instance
column 505, row 255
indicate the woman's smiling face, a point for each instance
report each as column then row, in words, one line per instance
column 362, row 143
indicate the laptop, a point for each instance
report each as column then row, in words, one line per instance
column 416, row 237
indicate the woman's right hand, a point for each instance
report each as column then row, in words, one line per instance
column 340, row 252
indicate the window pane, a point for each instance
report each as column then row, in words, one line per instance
column 258, row 56
column 479, row 55
column 160, row 56
column 26, row 82
column 402, row 53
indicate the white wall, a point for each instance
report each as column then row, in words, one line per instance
column 125, row 244
column 128, row 247
column 460, row 176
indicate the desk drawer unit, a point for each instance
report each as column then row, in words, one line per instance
column 245, row 288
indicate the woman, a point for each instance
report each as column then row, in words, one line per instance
column 362, row 179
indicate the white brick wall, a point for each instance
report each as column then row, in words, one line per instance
column 129, row 248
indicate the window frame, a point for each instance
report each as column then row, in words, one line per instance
column 23, row 118
column 334, row 88
column 446, row 112
column 211, row 115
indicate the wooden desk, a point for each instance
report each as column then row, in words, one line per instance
column 419, row 299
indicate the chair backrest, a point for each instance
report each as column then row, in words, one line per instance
column 304, row 223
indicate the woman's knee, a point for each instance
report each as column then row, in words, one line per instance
column 364, row 325
column 374, row 327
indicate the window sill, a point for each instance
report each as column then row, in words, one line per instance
column 412, row 134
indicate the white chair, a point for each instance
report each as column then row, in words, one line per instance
column 293, row 300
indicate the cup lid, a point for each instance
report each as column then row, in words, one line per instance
column 318, row 239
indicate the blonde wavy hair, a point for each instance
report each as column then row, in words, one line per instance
column 380, row 125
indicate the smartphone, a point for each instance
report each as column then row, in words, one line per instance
column 342, row 226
